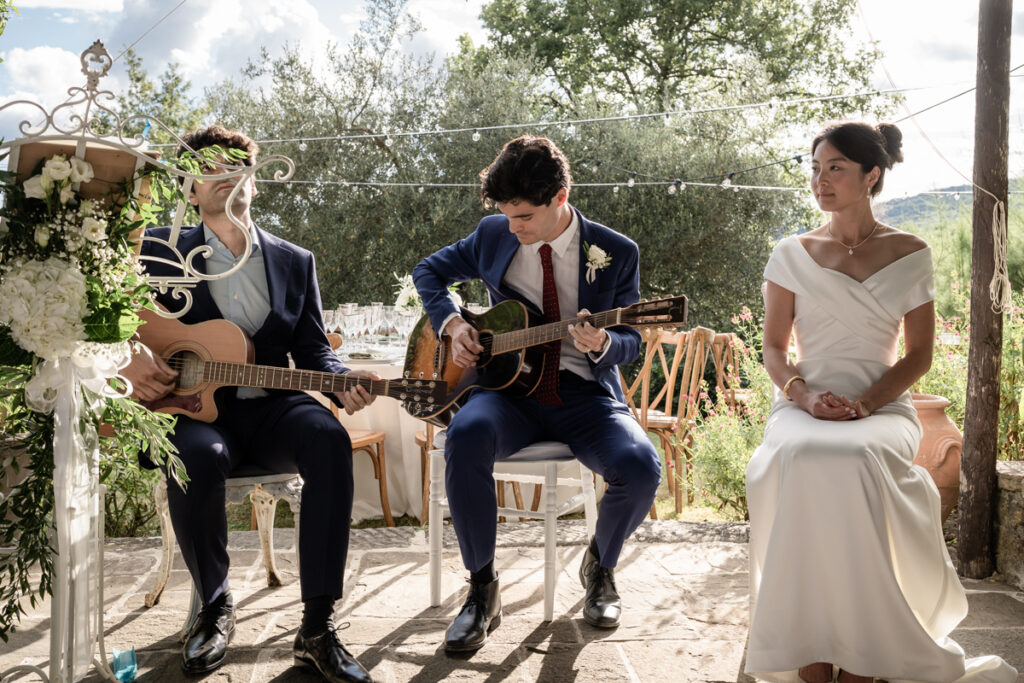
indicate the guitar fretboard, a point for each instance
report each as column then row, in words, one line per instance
column 549, row 332
column 270, row 377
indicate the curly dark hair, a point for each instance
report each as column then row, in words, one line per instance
column 529, row 168
column 224, row 138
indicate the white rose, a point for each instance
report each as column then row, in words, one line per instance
column 94, row 230
column 34, row 188
column 81, row 170
column 66, row 194
column 57, row 168
column 42, row 236
column 596, row 254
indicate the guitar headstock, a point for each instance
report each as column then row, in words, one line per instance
column 668, row 311
column 427, row 392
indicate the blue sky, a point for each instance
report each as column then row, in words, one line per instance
column 928, row 43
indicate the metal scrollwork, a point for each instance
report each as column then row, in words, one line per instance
column 85, row 117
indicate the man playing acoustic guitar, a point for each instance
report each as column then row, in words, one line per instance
column 541, row 251
column 275, row 298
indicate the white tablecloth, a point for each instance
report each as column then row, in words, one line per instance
column 402, row 454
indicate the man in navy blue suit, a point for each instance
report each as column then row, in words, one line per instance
column 544, row 253
column 275, row 298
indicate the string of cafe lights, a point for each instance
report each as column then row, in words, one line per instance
column 634, row 178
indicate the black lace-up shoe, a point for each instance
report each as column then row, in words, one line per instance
column 325, row 653
column 601, row 607
column 480, row 615
column 207, row 642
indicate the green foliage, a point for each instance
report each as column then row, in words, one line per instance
column 661, row 54
column 725, row 436
column 6, row 6
column 167, row 101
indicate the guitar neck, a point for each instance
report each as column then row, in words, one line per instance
column 270, row 377
column 549, row 332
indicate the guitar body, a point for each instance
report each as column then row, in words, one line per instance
column 517, row 372
column 179, row 344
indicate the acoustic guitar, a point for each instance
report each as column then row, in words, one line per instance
column 511, row 360
column 217, row 353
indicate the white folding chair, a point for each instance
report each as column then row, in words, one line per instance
column 536, row 464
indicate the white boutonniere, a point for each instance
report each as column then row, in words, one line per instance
column 597, row 259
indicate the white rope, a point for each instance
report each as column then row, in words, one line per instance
column 999, row 287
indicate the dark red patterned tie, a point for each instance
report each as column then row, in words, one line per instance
column 547, row 389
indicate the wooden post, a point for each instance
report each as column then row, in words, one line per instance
column 981, row 421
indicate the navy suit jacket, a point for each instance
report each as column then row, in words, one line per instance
column 294, row 324
column 486, row 255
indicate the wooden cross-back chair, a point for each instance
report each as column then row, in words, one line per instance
column 725, row 353
column 669, row 412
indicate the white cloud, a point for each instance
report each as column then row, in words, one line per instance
column 46, row 68
column 85, row 5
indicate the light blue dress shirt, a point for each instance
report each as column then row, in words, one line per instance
column 243, row 298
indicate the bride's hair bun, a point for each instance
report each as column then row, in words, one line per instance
column 893, row 142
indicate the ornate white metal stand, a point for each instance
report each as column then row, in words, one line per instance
column 76, row 629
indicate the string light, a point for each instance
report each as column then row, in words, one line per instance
column 615, row 189
column 303, row 146
column 632, row 179
column 596, row 165
column 727, row 180
column 388, row 141
column 570, row 130
column 672, row 188
column 476, row 136
column 956, row 196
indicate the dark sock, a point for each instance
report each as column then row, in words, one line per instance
column 485, row 574
column 317, row 615
column 221, row 600
column 593, row 549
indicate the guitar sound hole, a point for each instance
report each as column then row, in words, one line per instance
column 190, row 369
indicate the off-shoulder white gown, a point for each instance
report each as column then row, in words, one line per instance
column 847, row 559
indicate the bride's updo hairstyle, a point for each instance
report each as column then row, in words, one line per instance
column 868, row 145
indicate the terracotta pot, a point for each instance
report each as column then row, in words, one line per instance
column 939, row 452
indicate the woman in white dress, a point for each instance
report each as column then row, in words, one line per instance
column 850, row 576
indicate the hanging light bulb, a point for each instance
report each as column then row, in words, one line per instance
column 615, row 189
column 672, row 188
column 727, row 180
column 421, row 189
column 632, row 179
column 388, row 141
column 956, row 196
column 735, row 189
column 303, row 146
column 596, row 165
column 476, row 136
column 571, row 130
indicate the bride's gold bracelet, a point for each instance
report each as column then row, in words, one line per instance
column 785, row 389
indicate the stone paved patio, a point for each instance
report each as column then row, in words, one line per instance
column 684, row 590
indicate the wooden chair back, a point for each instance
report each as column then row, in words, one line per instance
column 681, row 355
column 725, row 354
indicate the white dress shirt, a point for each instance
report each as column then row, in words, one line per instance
column 525, row 274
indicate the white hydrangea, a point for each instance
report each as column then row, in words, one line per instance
column 44, row 302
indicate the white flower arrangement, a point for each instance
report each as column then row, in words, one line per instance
column 408, row 298
column 597, row 259
column 68, row 272
column 44, row 303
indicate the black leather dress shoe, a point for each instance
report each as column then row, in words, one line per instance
column 207, row 641
column 601, row 607
column 480, row 615
column 326, row 654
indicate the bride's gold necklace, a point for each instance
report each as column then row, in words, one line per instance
column 850, row 248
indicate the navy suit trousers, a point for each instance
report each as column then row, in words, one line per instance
column 602, row 434
column 283, row 434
